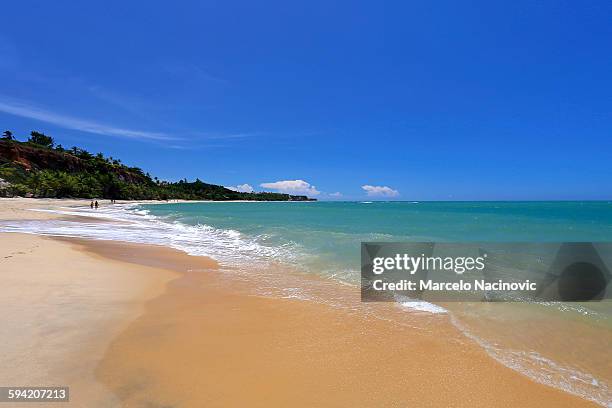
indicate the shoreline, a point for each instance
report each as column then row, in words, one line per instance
column 280, row 350
column 185, row 337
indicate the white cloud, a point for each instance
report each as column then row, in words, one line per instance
column 292, row 187
column 380, row 191
column 241, row 188
column 70, row 122
column 336, row 194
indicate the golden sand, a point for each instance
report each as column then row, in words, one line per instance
column 145, row 326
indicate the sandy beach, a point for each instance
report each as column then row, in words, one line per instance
column 147, row 326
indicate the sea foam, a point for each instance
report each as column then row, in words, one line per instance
column 136, row 225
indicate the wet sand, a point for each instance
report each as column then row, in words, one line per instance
column 202, row 344
column 145, row 326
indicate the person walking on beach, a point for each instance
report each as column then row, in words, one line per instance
column 96, row 204
column 91, row 205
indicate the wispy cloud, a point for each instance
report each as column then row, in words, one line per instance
column 224, row 136
column 71, row 122
column 126, row 102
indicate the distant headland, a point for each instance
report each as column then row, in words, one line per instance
column 40, row 168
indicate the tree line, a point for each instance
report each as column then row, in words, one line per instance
column 47, row 169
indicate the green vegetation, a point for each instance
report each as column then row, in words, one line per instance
column 39, row 168
column 40, row 139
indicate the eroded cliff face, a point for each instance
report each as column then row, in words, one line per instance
column 37, row 158
column 34, row 158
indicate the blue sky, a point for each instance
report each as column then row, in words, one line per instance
column 415, row 100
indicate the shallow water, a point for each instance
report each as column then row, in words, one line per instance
column 565, row 345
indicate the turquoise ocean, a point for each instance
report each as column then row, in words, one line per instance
column 325, row 237
column 564, row 345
